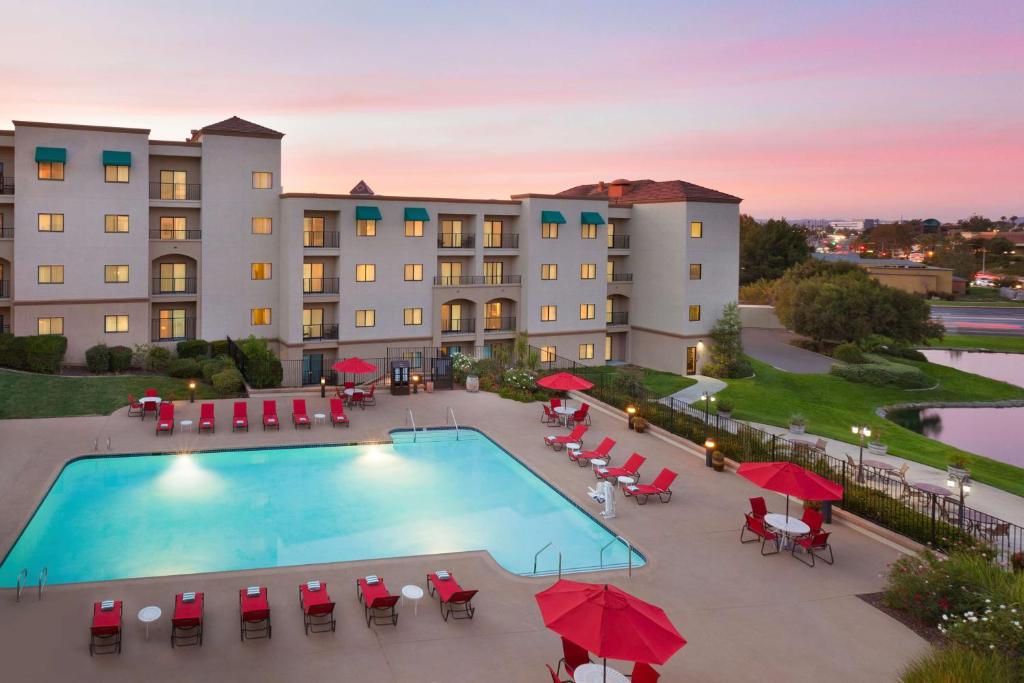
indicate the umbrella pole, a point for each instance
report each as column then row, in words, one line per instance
column 605, row 672
column 787, row 506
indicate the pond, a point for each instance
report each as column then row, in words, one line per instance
column 992, row 432
column 1006, row 367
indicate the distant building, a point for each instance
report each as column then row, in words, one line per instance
column 917, row 278
column 862, row 224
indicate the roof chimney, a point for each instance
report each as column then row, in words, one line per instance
column 618, row 188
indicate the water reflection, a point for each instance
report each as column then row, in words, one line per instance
column 1007, row 367
column 986, row 431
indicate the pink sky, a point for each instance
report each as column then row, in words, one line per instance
column 841, row 109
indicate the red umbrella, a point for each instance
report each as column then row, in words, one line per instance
column 356, row 366
column 793, row 480
column 564, row 381
column 609, row 622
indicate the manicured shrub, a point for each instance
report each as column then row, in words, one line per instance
column 158, row 359
column 262, row 368
column 516, row 394
column 959, row 665
column 228, row 382
column 97, row 358
column 519, row 379
column 927, row 586
column 43, row 353
column 849, row 353
column 193, row 348
column 211, row 366
column 219, row 347
column 120, row 358
column 184, row 368
column 12, row 351
column 884, row 374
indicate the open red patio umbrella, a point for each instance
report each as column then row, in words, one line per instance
column 609, row 622
column 793, row 480
column 356, row 366
column 564, row 381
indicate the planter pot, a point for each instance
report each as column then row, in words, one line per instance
column 877, row 448
column 725, row 413
column 639, row 425
column 797, row 429
column 718, row 461
column 957, row 472
column 430, row 386
column 472, row 384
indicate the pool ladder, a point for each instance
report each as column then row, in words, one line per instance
column 629, row 550
column 23, row 581
column 409, row 419
column 536, row 556
column 450, row 420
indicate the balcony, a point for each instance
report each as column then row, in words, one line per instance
column 321, row 240
column 319, row 332
column 5, row 289
column 620, row 277
column 174, row 235
column 173, row 329
column 174, row 286
column 455, row 240
column 6, row 233
column 505, row 240
column 499, row 325
column 7, row 184
column 458, row 326
column 5, row 329
column 190, row 192
column 459, row 280
column 618, row 318
column 320, row 286
column 618, row 242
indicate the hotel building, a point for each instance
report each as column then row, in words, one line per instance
column 107, row 236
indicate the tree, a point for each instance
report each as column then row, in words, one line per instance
column 726, row 357
column 887, row 237
column 975, row 223
column 767, row 250
column 999, row 245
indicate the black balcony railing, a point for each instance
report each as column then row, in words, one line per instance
column 173, row 329
column 319, row 285
column 502, row 324
column 618, row 318
column 6, row 233
column 458, row 326
column 320, row 331
column 7, row 184
column 5, row 329
column 457, row 280
column 174, row 286
column 618, row 241
column 5, row 289
column 505, row 240
column 620, row 277
column 175, row 191
column 455, row 240
column 171, row 235
column 321, row 240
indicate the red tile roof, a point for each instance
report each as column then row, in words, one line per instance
column 237, row 126
column 650, row 192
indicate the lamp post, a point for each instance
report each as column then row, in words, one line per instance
column 630, row 414
column 323, row 387
column 709, row 449
column 963, row 483
column 708, row 400
column 192, row 391
column 862, row 432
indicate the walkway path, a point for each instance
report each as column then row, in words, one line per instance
column 693, row 392
column 773, row 347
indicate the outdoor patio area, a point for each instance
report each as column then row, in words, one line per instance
column 745, row 617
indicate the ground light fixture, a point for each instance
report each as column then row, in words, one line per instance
column 630, row 414
column 192, row 391
column 863, row 432
column 709, row 449
column 323, row 387
column 415, row 384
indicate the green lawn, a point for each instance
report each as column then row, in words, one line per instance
column 660, row 383
column 24, row 394
column 981, row 341
column 832, row 405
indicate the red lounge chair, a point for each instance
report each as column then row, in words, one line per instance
column 135, row 409
column 760, row 531
column 206, row 417
column 270, row 415
column 187, row 622
column 660, row 487
column 254, row 613
column 240, row 420
column 378, row 604
column 459, row 602
column 630, row 469
column 758, row 507
column 582, row 415
column 165, row 423
column 105, row 632
column 368, row 398
column 317, row 609
column 603, row 452
column 338, row 416
column 644, row 673
column 813, row 544
column 299, row 416
column 558, row 442
column 573, row 656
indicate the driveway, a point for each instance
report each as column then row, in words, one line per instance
column 773, row 347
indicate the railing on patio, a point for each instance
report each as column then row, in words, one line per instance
column 505, row 240
column 320, row 331
column 174, row 286
column 316, row 239
column 6, row 233
column 457, row 280
column 175, row 191
column 172, row 235
column 312, row 286
column 458, row 326
column 173, row 329
column 456, row 240
column 620, row 277
column 5, row 289
column 618, row 242
column 496, row 325
column 618, row 318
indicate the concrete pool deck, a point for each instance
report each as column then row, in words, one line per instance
column 746, row 617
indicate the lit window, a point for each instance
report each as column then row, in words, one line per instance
column 549, row 271
column 548, row 354
column 586, row 351
column 587, row 311
column 414, row 228
column 366, row 272
column 366, row 317
column 549, row 231
column 262, row 225
column 413, row 272
column 413, row 316
column 695, row 271
column 611, row 235
column 548, row 313
column 172, row 228
column 415, row 358
column 174, row 185
column 115, row 223
column 50, row 170
column 492, row 234
column 313, row 231
column 115, row 324
column 694, row 313
column 49, row 325
column 260, row 316
column 696, row 229
column 588, row 271
column 366, row 228
column 588, row 231
column 261, row 271
column 116, row 174
column 50, row 275
column 115, row 273
column 262, row 180
column 51, row 222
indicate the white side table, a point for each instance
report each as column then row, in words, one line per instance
column 572, row 446
column 186, row 425
column 319, row 418
column 414, row 593
column 147, row 615
column 599, row 462
column 627, row 481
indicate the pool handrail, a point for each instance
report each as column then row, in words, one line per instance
column 629, row 550
column 410, row 419
column 22, row 578
column 537, row 554
column 450, row 419
column 43, row 575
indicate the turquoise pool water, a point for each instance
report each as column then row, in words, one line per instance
column 155, row 515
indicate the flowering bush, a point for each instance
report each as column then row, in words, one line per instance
column 995, row 628
column 519, row 378
column 928, row 586
column 462, row 365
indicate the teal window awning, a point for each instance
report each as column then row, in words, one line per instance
column 416, row 214
column 552, row 217
column 51, row 154
column 367, row 213
column 591, row 218
column 116, row 158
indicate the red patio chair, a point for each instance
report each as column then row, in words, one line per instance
column 135, row 409
column 573, row 656
column 660, row 487
column 149, row 406
column 602, row 452
column 105, row 631
column 758, row 507
column 556, row 403
column 149, row 393
column 240, row 420
column 756, row 526
column 349, row 385
column 813, row 519
column 581, row 416
column 378, row 604
column 187, row 622
column 299, row 416
column 254, row 613
column 548, row 416
column 644, row 673
column 630, row 469
column 270, row 418
column 558, row 442
column 357, row 398
column 165, row 422
column 368, row 398
column 813, row 544
column 338, row 415
column 554, row 676
column 317, row 608
column 455, row 601
column 206, row 417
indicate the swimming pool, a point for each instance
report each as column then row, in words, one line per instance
column 156, row 515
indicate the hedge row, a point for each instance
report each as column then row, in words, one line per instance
column 884, row 374
column 37, row 353
column 103, row 358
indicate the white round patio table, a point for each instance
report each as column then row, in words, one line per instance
column 565, row 412
column 787, row 526
column 349, row 392
column 595, row 673
column 414, row 593
column 319, row 418
column 147, row 615
column 186, row 425
column 145, row 400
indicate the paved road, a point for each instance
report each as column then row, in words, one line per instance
column 773, row 347
column 980, row 320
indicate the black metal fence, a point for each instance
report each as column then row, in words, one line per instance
column 6, row 184
column 175, row 191
column 503, row 240
column 173, row 235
